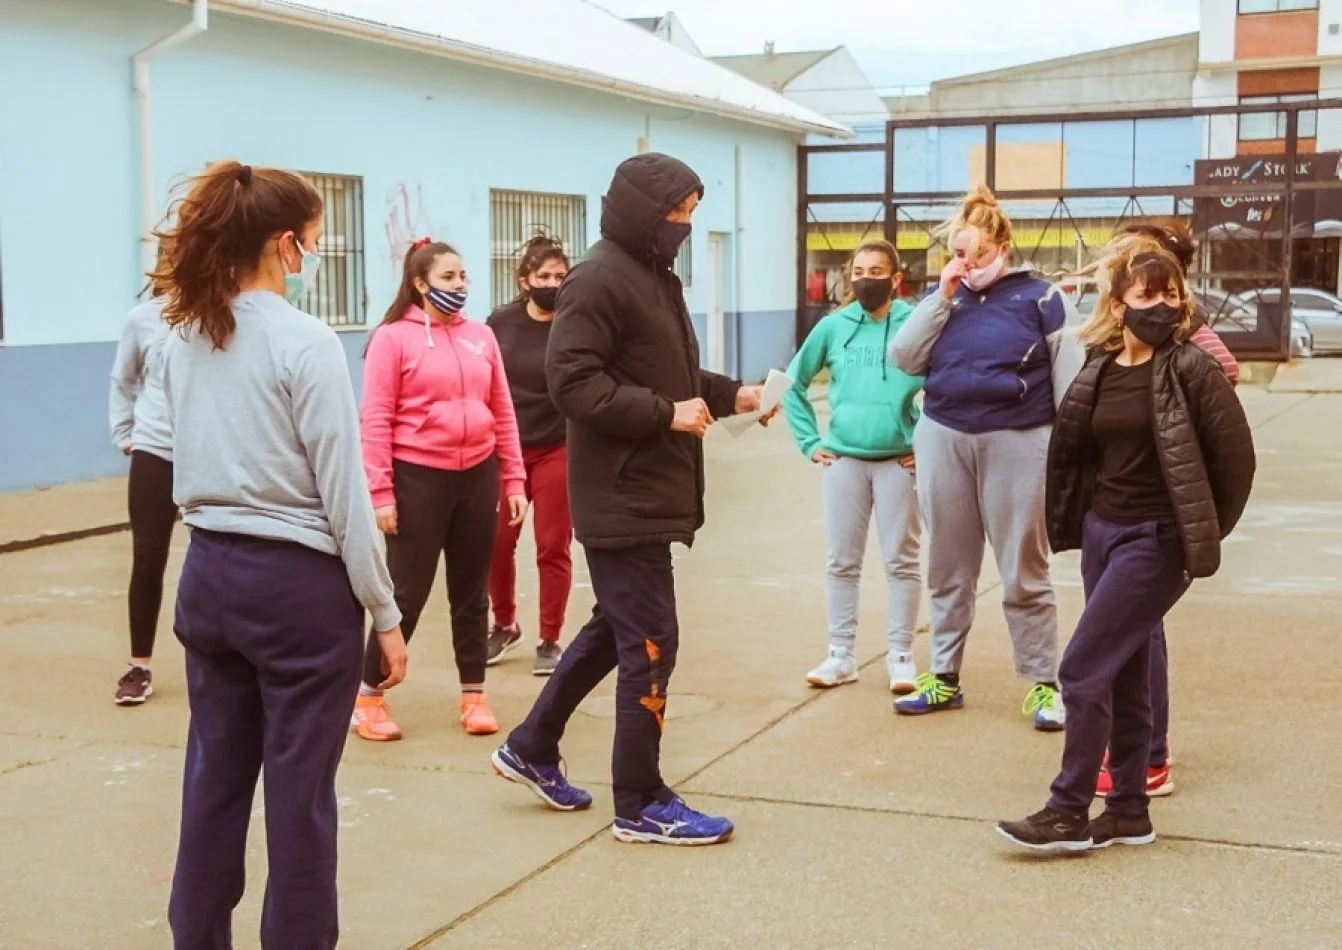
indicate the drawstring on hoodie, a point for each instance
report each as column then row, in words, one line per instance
column 885, row 342
column 428, row 330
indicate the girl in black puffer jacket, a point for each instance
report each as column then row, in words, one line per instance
column 1150, row 467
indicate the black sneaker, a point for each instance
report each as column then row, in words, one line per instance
column 1049, row 831
column 135, row 687
column 501, row 640
column 547, row 658
column 1111, row 829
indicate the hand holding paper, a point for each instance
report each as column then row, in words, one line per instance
column 769, row 396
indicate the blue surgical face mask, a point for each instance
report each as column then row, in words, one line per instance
column 450, row 302
column 297, row 285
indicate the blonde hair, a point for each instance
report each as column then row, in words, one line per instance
column 1130, row 260
column 980, row 212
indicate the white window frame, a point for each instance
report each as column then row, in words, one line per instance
column 1271, row 126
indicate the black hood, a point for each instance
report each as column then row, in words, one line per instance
column 644, row 189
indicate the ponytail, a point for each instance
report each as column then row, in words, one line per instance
column 419, row 260
column 979, row 211
column 222, row 225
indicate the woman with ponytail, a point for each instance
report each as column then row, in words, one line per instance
column 284, row 554
column 439, row 433
column 523, row 331
column 990, row 341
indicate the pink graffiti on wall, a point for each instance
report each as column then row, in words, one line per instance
column 407, row 221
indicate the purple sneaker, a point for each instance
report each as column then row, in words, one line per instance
column 672, row 823
column 546, row 781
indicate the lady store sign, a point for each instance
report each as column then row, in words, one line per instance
column 1316, row 213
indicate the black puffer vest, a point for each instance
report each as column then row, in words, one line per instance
column 1203, row 439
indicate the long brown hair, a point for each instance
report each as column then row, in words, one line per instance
column 222, row 224
column 1128, row 260
column 535, row 254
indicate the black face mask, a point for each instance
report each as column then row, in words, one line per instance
column 544, row 298
column 873, row 292
column 1153, row 325
column 667, row 239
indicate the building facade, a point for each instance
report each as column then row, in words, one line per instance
column 830, row 82
column 404, row 137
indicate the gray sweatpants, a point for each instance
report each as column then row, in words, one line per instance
column 853, row 490
column 990, row 484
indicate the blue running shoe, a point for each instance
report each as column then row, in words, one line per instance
column 673, row 823
column 547, row 781
column 930, row 695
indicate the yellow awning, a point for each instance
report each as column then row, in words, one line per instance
column 1026, row 238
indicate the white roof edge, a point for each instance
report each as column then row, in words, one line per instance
column 803, row 120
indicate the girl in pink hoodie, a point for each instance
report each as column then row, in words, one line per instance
column 439, row 433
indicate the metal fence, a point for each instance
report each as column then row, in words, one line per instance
column 514, row 217
column 1256, row 218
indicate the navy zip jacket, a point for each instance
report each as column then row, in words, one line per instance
column 1000, row 358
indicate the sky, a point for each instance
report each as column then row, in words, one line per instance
column 909, row 43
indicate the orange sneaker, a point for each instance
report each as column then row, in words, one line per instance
column 372, row 720
column 1158, row 782
column 476, row 717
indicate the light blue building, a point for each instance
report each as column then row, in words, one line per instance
column 473, row 121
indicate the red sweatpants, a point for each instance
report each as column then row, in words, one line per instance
column 547, row 490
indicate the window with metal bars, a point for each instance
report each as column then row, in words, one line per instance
column 339, row 296
column 514, row 216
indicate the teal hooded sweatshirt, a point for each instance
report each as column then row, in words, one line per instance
column 872, row 410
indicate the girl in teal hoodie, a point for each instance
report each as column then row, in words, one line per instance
column 867, row 455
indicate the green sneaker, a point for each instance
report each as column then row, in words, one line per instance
column 1044, row 703
column 930, row 695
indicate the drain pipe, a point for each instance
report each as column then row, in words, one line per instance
column 738, row 265
column 199, row 24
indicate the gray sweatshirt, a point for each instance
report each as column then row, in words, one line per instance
column 138, row 412
column 267, row 441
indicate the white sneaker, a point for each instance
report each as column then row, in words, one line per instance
column 839, row 669
column 1045, row 704
column 903, row 674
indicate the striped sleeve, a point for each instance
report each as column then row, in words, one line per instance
column 1206, row 339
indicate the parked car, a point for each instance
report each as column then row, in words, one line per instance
column 1318, row 310
column 1229, row 313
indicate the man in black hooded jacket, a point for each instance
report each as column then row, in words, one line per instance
column 623, row 368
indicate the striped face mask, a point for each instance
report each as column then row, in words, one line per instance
column 450, row 302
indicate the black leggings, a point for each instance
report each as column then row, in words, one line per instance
column 452, row 514
column 152, row 515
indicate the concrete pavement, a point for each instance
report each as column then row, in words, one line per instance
column 856, row 829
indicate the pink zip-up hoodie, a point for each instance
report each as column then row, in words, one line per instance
column 436, row 395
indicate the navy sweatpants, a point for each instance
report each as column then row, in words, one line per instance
column 273, row 637
column 1133, row 575
column 1160, row 698
column 634, row 628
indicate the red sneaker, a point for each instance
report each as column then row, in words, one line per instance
column 1158, row 781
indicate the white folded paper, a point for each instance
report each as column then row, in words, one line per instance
column 775, row 387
